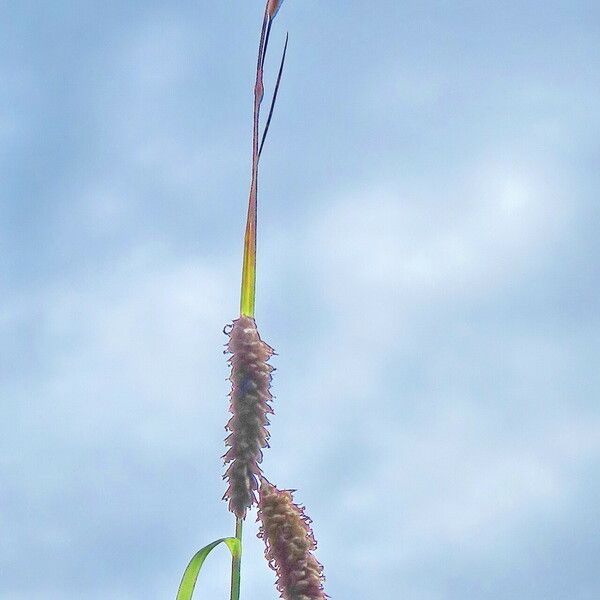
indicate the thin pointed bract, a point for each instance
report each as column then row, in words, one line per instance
column 290, row 543
column 274, row 99
column 250, row 404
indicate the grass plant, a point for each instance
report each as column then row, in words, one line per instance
column 285, row 529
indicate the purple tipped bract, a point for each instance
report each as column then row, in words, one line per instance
column 273, row 6
column 250, row 397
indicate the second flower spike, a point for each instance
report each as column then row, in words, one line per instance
column 290, row 544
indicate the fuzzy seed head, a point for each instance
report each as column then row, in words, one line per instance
column 250, row 399
column 290, row 543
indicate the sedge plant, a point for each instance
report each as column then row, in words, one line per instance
column 284, row 527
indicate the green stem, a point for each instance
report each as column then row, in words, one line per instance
column 248, row 291
column 249, row 262
column 236, row 563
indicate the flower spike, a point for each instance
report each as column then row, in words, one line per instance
column 250, row 404
column 290, row 543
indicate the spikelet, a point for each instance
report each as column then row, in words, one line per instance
column 250, row 397
column 289, row 542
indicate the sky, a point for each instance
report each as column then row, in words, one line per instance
column 428, row 274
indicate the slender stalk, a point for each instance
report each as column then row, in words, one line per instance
column 236, row 563
column 247, row 295
column 249, row 268
column 249, row 264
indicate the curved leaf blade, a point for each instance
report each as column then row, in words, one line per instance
column 190, row 575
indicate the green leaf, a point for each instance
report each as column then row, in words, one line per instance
column 188, row 581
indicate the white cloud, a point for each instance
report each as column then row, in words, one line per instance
column 478, row 233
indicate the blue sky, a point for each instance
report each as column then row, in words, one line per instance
column 428, row 273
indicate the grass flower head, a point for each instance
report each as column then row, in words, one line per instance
column 290, row 543
column 250, row 403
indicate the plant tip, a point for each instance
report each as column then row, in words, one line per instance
column 273, row 6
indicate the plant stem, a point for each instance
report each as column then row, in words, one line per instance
column 236, row 563
column 249, row 263
column 247, row 298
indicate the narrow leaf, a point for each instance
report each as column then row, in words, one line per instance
column 190, row 576
column 264, row 136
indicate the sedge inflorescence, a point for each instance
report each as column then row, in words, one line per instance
column 290, row 543
column 250, row 399
column 285, row 528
